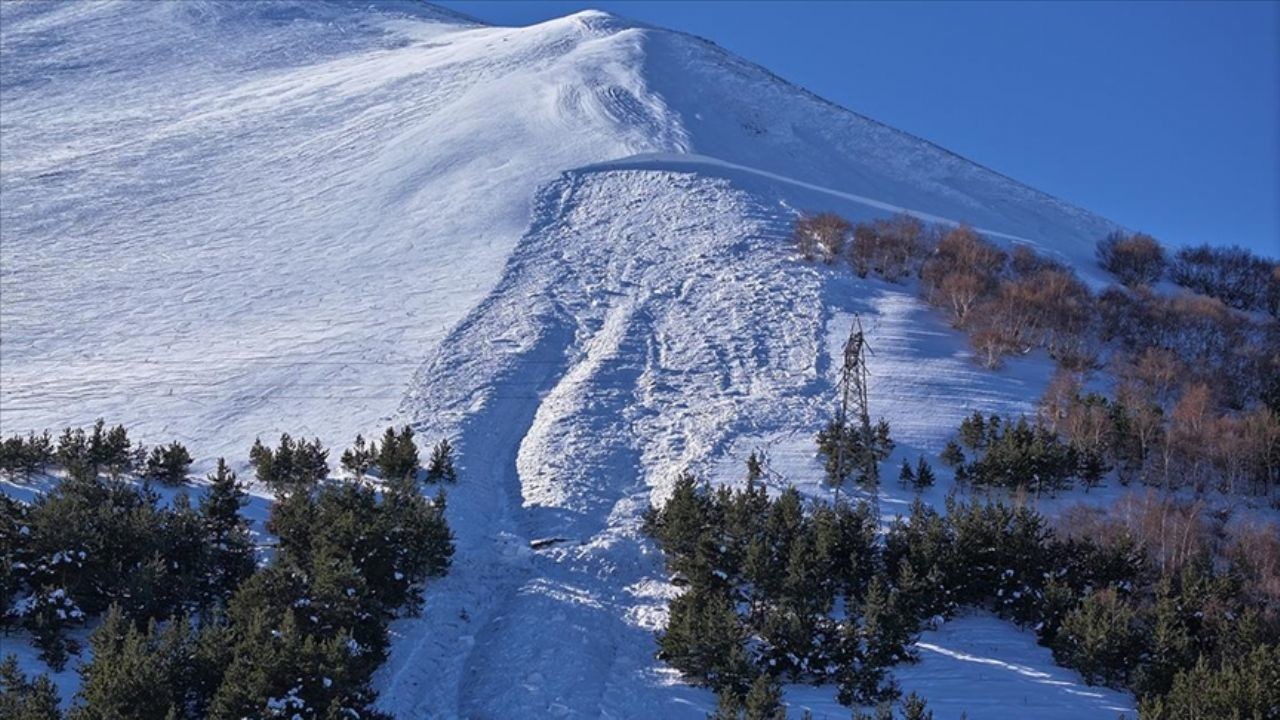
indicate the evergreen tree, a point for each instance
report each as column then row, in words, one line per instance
column 847, row 449
column 755, row 469
column 311, row 463
column 184, row 556
column 1172, row 648
column 915, row 708
column 907, row 475
column 1101, row 639
column 358, row 458
column 729, row 705
column 11, row 452
column 117, row 457
column 73, row 454
column 924, row 477
column 169, row 464
column 764, row 700
column 263, row 460
column 126, row 678
column 24, row 457
column 678, row 523
column 440, row 468
column 1244, row 688
column 294, row 466
column 887, row 630
column 952, row 456
column 399, row 454
column 46, row 615
column 226, row 535
column 705, row 640
column 973, row 431
column 21, row 699
column 419, row 542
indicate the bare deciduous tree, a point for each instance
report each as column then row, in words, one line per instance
column 1136, row 259
column 821, row 236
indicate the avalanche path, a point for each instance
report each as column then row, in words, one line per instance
column 651, row 320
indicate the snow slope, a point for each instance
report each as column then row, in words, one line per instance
column 563, row 245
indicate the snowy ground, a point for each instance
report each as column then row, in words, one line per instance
column 565, row 246
column 654, row 321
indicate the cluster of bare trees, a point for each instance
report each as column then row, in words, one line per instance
column 822, row 236
column 1197, row 394
column 1010, row 303
column 1231, row 352
column 1233, row 275
column 892, row 249
column 1045, row 306
column 1176, row 535
column 1164, row 431
column 963, row 269
column 1135, row 260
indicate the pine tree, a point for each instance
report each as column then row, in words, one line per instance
column 1101, row 639
column 185, row 555
column 168, row 465
column 914, row 708
column 729, row 705
column 755, row 468
column 1245, row 688
column 678, row 524
column 358, row 458
column 226, row 535
column 764, row 700
column 886, row 628
column 440, row 468
column 97, row 446
column 705, row 640
column 907, row 476
column 952, row 456
column 115, row 456
column 126, row 677
column 311, row 463
column 419, row 542
column 263, row 459
column 46, row 617
column 294, row 466
column 407, row 452
column 21, row 699
column 399, row 454
column 973, row 431
column 1172, row 650
column 924, row 477
column 73, row 454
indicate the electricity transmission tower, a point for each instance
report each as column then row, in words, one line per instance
column 853, row 399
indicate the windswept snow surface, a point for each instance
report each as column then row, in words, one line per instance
column 564, row 246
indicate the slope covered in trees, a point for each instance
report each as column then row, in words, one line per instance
column 1193, row 377
column 189, row 620
column 1148, row 596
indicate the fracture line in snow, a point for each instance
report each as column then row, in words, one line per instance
column 670, row 161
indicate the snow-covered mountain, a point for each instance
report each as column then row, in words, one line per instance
column 563, row 245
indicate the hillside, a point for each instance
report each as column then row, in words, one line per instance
column 565, row 246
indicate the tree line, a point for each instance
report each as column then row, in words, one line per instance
column 191, row 623
column 1151, row 597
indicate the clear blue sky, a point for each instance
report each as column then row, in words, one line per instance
column 1163, row 116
